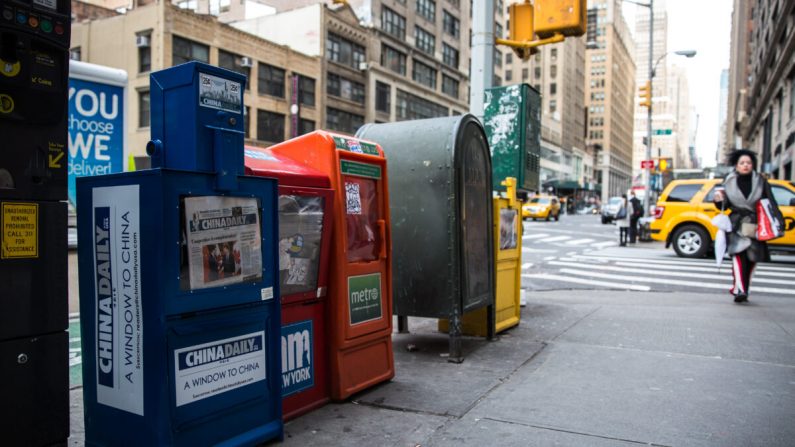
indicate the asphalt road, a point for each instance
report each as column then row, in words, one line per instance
column 579, row 252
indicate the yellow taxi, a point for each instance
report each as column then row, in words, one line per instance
column 541, row 207
column 684, row 212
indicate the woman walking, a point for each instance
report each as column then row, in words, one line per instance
column 622, row 220
column 743, row 189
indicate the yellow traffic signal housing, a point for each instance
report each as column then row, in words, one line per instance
column 567, row 17
column 665, row 164
column 521, row 27
column 645, row 94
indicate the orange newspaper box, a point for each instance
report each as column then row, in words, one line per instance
column 360, row 266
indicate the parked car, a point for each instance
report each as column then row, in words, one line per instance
column 684, row 212
column 541, row 207
column 610, row 209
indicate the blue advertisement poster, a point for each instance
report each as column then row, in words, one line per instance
column 96, row 130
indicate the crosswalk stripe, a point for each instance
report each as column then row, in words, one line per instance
column 555, row 239
column 534, row 236
column 615, row 285
column 726, row 267
column 604, row 244
column 527, row 265
column 538, row 250
column 727, row 276
column 696, row 284
column 579, row 241
column 683, row 261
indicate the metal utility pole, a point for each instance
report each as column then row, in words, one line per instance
column 482, row 69
column 647, row 194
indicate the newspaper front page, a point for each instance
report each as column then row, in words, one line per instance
column 224, row 240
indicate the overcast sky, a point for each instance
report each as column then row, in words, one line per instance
column 704, row 26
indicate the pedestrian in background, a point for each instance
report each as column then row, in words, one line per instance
column 622, row 220
column 743, row 188
column 634, row 217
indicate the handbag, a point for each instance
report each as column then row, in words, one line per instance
column 622, row 213
column 768, row 225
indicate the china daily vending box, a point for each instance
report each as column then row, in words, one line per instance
column 179, row 295
column 360, row 283
column 305, row 214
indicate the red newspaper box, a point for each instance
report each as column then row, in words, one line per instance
column 305, row 221
column 360, row 283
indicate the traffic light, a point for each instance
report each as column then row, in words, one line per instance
column 521, row 27
column 665, row 164
column 567, row 17
column 644, row 93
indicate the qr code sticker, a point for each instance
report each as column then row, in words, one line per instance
column 353, row 199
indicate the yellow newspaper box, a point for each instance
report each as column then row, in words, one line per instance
column 508, row 266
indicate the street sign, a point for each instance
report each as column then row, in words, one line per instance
column 662, row 132
column 647, row 164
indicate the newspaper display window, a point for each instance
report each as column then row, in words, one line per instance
column 508, row 224
column 361, row 217
column 221, row 242
column 300, row 232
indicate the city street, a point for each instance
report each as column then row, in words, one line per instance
column 649, row 359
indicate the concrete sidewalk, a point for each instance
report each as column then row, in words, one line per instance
column 583, row 368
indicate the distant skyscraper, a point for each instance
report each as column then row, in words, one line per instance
column 609, row 97
column 722, row 110
column 739, row 75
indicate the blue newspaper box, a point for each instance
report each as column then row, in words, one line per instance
column 178, row 268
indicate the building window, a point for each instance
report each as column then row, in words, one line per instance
column 498, row 31
column 451, row 25
column 553, row 106
column 235, row 63
column 508, row 75
column 144, row 52
column 449, row 86
column 497, row 57
column 305, row 126
column 553, row 54
column 553, row 71
column 449, row 55
column 424, row 40
column 393, row 23
column 143, row 109
column 306, row 90
column 509, row 58
column 525, row 74
column 383, row 93
column 270, row 81
column 423, row 74
column 410, row 107
column 553, row 88
column 343, row 51
column 393, row 59
column 270, row 126
column 427, row 9
column 75, row 53
column 343, row 121
column 537, row 72
column 345, row 88
column 184, row 50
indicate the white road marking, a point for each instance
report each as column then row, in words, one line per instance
column 527, row 265
column 579, row 241
column 684, row 261
column 549, row 258
column 534, row 236
column 699, row 284
column 727, row 276
column 538, row 250
column 615, row 285
column 555, row 239
column 726, row 267
column 604, row 244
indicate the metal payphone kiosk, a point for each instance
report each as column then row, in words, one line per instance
column 34, row 45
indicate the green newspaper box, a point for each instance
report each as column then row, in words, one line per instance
column 512, row 120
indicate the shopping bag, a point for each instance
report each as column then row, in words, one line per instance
column 768, row 224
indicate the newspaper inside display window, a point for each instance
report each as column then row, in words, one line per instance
column 508, row 225
column 221, row 242
column 300, row 232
